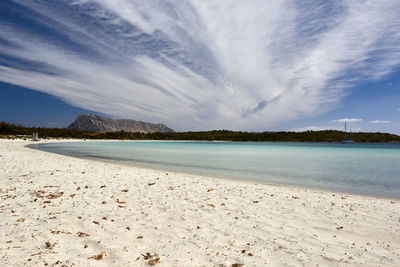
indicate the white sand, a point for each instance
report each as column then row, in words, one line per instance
column 58, row 210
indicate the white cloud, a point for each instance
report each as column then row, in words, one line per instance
column 347, row 120
column 316, row 128
column 204, row 64
column 323, row 128
column 378, row 121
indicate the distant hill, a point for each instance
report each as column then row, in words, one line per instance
column 96, row 123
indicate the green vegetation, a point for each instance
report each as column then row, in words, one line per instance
column 9, row 130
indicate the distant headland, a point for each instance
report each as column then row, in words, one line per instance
column 97, row 127
column 96, row 123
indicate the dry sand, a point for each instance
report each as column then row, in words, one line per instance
column 62, row 211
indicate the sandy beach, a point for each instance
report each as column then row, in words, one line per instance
column 62, row 211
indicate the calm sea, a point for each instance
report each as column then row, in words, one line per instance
column 368, row 169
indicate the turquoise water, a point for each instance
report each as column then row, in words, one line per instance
column 368, row 169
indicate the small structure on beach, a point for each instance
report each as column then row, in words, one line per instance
column 35, row 136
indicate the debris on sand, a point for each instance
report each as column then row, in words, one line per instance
column 49, row 245
column 99, row 256
column 153, row 258
column 39, row 193
column 120, row 202
column 56, row 195
column 154, row 261
column 82, row 234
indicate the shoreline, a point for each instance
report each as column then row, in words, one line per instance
column 18, row 137
column 116, row 162
column 187, row 220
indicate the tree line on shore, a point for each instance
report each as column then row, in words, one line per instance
column 8, row 130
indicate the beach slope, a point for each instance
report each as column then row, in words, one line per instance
column 57, row 210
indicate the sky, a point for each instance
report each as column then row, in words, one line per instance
column 203, row 64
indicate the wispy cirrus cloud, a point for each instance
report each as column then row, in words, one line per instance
column 348, row 120
column 199, row 64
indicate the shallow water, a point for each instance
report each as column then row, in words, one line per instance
column 368, row 169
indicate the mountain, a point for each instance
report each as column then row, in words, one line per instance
column 98, row 123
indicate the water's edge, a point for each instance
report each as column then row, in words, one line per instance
column 331, row 188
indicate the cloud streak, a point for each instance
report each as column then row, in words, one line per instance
column 378, row 121
column 200, row 64
column 348, row 120
column 324, row 128
column 316, row 128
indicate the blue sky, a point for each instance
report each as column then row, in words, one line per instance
column 200, row 65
